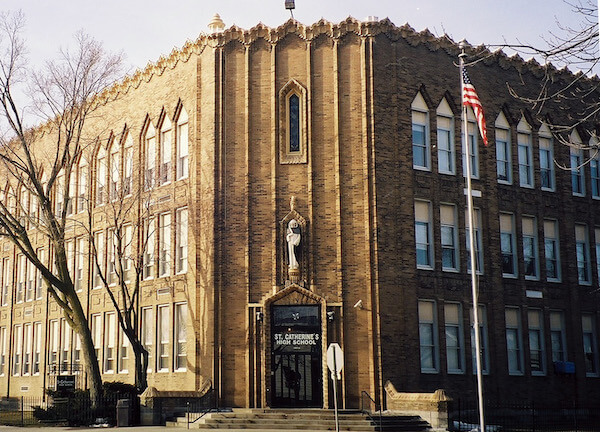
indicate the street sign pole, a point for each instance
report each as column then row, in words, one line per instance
column 335, row 363
column 335, row 402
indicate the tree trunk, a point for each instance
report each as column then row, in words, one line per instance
column 141, row 366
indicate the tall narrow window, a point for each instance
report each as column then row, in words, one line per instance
column 483, row 340
column 128, row 251
column 507, row 243
column 53, row 344
column 536, row 342
column 101, row 177
column 39, row 280
column 150, row 159
column 115, row 170
column 473, row 147
column 113, row 256
column 583, row 254
column 98, row 266
column 96, row 330
column 449, row 235
column 6, row 280
column 558, row 336
column 513, row 341
column 148, row 333
column 455, row 356
column 76, row 352
column 59, row 199
column 423, row 235
column 123, row 359
column 546, row 158
column 82, row 186
column 21, row 277
column 164, row 245
column 478, row 244
column 79, row 262
column 551, row 250
column 590, row 344
column 166, row 133
column 17, row 348
column 445, row 138
column 525, row 154
column 110, row 336
column 428, row 337
column 128, row 166
column 503, row 153
column 30, row 284
column 27, row 345
column 577, row 172
column 65, row 345
column 2, row 350
column 530, row 248
column 180, row 337
column 420, row 134
column 37, row 347
column 149, row 243
column 70, row 256
column 181, row 240
column 294, row 123
column 182, row 145
column 164, row 325
column 595, row 174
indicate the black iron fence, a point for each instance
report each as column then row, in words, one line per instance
column 525, row 417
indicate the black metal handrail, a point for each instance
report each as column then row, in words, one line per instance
column 368, row 412
column 212, row 407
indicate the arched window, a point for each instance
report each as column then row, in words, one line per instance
column 115, row 169
column 420, row 134
column 294, row 123
column 503, row 150
column 445, row 138
column 525, row 153
column 82, row 184
column 128, row 165
column 165, row 151
column 546, row 158
column 293, row 139
column 182, row 145
column 577, row 164
column 101, row 177
column 150, row 160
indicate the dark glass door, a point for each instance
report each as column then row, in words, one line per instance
column 296, row 357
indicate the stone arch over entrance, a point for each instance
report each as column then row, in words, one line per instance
column 294, row 335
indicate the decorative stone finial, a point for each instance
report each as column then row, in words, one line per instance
column 216, row 24
column 292, row 203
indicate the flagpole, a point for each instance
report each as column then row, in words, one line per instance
column 470, row 215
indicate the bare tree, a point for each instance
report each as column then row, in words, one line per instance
column 38, row 163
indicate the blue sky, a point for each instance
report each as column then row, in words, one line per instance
column 146, row 29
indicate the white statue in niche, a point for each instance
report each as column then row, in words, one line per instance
column 293, row 239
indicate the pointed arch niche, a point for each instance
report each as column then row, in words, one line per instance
column 293, row 139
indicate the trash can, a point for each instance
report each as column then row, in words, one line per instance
column 122, row 412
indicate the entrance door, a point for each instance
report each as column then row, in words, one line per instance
column 296, row 358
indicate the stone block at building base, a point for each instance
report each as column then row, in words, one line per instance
column 159, row 405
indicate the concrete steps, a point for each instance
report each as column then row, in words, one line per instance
column 300, row 420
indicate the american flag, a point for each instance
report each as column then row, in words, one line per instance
column 471, row 99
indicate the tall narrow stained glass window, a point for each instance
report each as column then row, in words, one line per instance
column 294, row 125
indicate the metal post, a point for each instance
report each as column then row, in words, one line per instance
column 474, row 288
column 335, row 402
column 22, row 413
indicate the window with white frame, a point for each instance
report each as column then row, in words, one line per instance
column 53, row 343
column 180, row 346
column 595, row 173
column 6, row 280
column 423, row 235
column 477, row 242
column 582, row 247
column 182, row 145
column 98, row 266
column 24, row 210
column 537, row 356
column 37, row 348
column 525, row 153
column 110, row 337
column 166, row 133
column 79, row 262
column 455, row 354
column 428, row 337
column 530, row 248
column 148, row 333
column 2, row 350
column 445, row 138
column 558, row 336
column 70, row 256
column 82, row 186
column 150, row 158
column 449, row 236
column 473, row 147
column 123, row 355
column 115, row 170
column 96, row 330
column 503, row 150
column 162, row 343
column 514, row 341
column 71, row 193
column 420, row 134
column 65, row 345
column 27, row 345
column 128, row 166
column 21, row 277
column 30, row 284
column 101, row 177
column 59, row 199
column 39, row 280
column 149, row 243
column 547, row 176
column 128, row 251
column 164, row 244
column 577, row 172
column 17, row 348
column 590, row 344
column 76, row 356
column 181, row 240
column 113, row 256
column 552, row 250
column 508, row 245
column 483, row 339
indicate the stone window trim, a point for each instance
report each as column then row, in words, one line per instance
column 286, row 156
